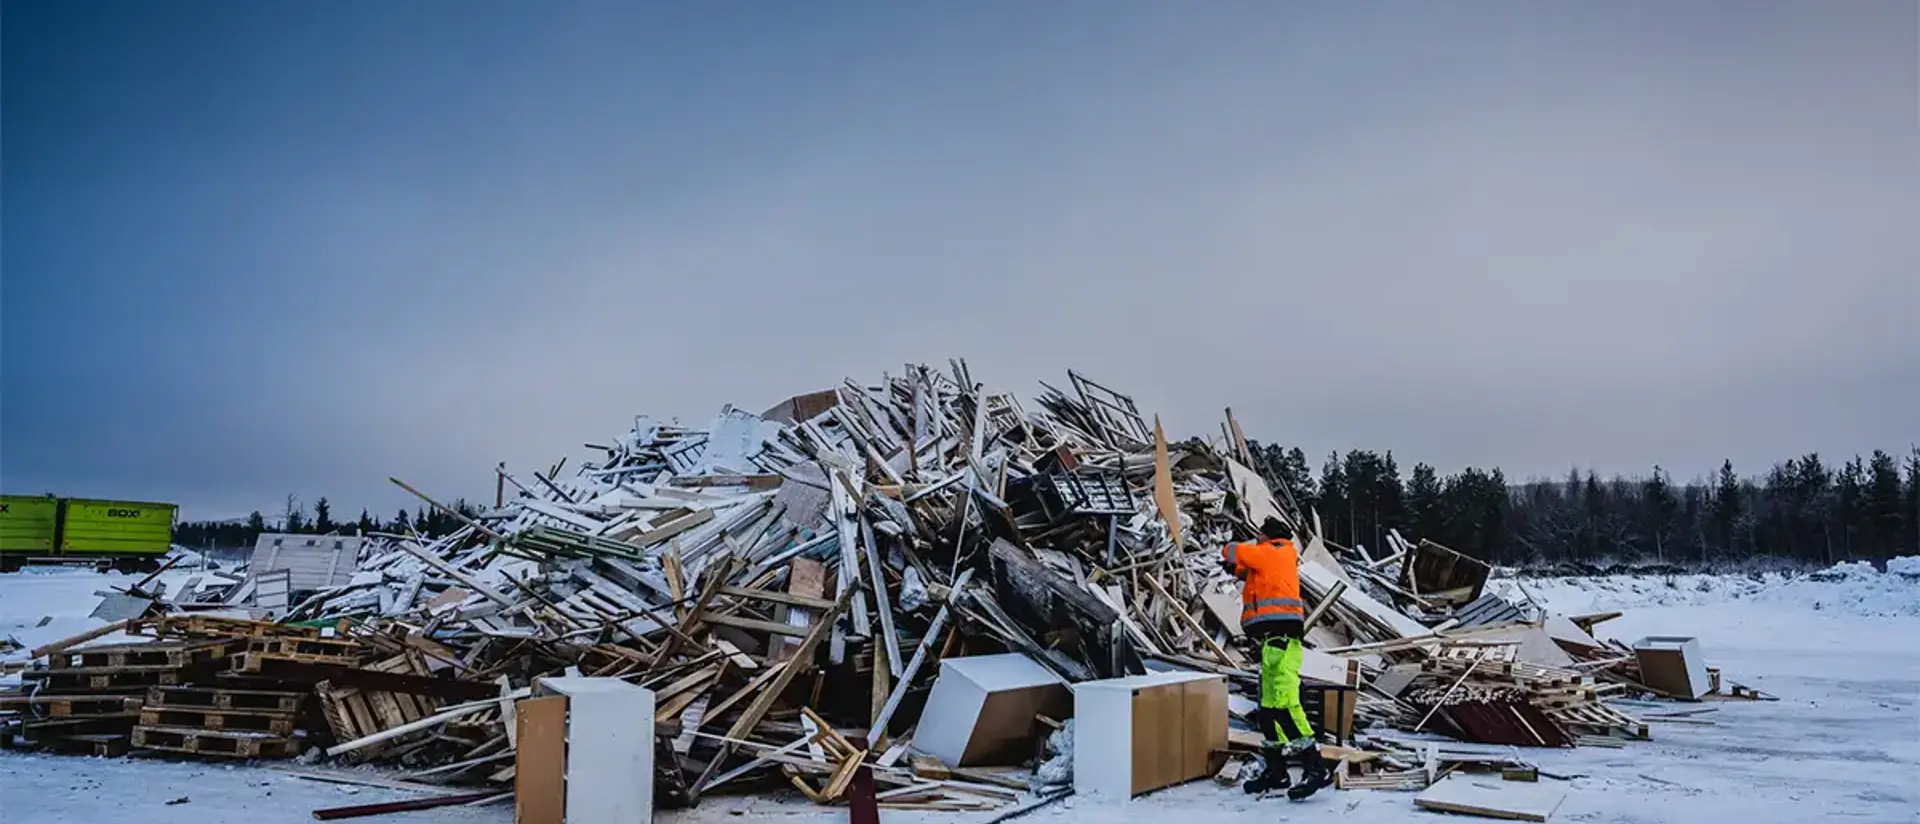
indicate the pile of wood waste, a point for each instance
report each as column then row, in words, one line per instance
column 787, row 585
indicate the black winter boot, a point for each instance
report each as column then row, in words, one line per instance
column 1275, row 777
column 1313, row 777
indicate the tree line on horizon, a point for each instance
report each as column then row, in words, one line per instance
column 1803, row 510
column 296, row 520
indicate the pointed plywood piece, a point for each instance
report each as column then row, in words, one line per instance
column 1163, row 483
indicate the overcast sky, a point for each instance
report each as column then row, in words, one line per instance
column 260, row 248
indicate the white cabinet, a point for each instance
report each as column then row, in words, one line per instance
column 1140, row 733
column 584, row 753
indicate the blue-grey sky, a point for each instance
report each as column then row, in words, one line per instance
column 260, row 248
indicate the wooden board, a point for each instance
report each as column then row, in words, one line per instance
column 1491, row 797
column 540, row 763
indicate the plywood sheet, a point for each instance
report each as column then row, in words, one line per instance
column 1330, row 669
column 1156, row 737
column 1203, row 725
column 1492, row 797
column 1163, row 497
column 1570, row 636
column 1536, row 646
column 540, row 762
column 1226, row 608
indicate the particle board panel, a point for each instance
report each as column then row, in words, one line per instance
column 540, row 762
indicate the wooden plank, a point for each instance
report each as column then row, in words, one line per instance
column 771, row 596
column 752, row 688
column 1173, row 604
column 672, row 528
column 881, row 601
column 451, row 571
column 806, row 578
column 540, row 762
column 384, row 807
column 64, row 643
column 754, row 625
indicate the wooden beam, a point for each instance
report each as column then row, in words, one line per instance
column 64, row 643
column 456, row 574
column 755, row 625
column 462, row 518
column 1333, row 597
column 879, row 725
column 771, row 596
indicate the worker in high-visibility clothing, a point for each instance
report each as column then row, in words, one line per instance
column 1273, row 615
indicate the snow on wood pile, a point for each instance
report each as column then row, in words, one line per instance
column 786, row 582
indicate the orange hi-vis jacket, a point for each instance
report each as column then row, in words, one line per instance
column 1269, row 572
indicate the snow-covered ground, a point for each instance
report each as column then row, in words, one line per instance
column 1841, row 650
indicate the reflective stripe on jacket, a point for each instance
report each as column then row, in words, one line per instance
column 1270, row 576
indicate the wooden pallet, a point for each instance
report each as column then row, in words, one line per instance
column 352, row 713
column 1742, row 692
column 212, row 719
column 1599, row 719
column 1530, row 675
column 156, row 655
column 86, row 679
column 251, row 662
column 71, row 706
column 182, row 626
column 224, row 700
column 314, row 647
column 223, row 743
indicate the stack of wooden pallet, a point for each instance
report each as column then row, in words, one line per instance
column 194, row 684
column 220, row 722
column 267, row 656
column 80, row 724
column 90, row 699
column 1488, row 694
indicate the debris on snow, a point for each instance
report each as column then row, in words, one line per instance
column 788, row 585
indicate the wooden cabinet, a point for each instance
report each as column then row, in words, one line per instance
column 1141, row 733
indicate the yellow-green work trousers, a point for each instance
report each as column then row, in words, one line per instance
column 1286, row 724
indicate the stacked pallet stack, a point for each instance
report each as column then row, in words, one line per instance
column 214, row 721
column 89, row 699
column 195, row 684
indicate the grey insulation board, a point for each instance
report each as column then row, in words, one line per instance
column 1492, row 797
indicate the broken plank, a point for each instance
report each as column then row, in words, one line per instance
column 359, row 810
